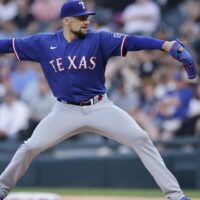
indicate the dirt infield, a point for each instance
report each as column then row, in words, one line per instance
column 109, row 198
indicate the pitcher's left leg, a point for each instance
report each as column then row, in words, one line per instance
column 119, row 126
column 53, row 129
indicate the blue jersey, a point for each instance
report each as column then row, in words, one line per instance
column 75, row 71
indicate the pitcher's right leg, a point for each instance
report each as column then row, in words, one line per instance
column 118, row 125
column 56, row 127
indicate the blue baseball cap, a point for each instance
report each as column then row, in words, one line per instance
column 74, row 9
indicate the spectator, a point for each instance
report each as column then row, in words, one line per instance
column 142, row 16
column 5, row 69
column 145, row 114
column 46, row 10
column 40, row 104
column 25, row 21
column 8, row 10
column 8, row 29
column 22, row 76
column 191, row 125
column 191, row 26
column 174, row 106
column 147, row 64
column 14, row 115
column 125, row 98
column 103, row 17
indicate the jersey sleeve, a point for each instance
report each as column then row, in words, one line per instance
column 113, row 44
column 28, row 48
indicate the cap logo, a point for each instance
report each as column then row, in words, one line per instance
column 82, row 4
column 75, row 8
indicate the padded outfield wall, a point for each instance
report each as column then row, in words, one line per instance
column 115, row 172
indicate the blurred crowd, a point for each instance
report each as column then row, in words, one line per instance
column 149, row 85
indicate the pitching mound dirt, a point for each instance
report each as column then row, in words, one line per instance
column 108, row 198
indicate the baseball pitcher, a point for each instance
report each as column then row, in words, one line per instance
column 73, row 61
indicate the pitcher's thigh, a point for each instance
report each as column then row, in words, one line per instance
column 53, row 129
column 115, row 123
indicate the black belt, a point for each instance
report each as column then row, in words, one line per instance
column 92, row 101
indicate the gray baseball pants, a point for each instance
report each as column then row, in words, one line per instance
column 105, row 119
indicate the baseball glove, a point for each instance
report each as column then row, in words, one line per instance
column 179, row 52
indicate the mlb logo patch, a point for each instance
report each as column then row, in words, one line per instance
column 117, row 35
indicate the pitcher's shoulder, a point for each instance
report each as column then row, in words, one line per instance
column 94, row 33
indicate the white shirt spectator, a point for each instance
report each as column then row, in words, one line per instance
column 143, row 16
column 14, row 117
column 7, row 10
column 126, row 99
column 41, row 105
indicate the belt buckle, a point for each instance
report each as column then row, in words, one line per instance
column 95, row 99
column 92, row 101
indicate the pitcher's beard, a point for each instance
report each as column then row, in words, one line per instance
column 80, row 34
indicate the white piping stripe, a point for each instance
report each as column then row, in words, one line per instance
column 122, row 46
column 15, row 52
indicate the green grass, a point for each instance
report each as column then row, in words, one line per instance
column 106, row 192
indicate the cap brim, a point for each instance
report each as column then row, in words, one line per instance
column 84, row 13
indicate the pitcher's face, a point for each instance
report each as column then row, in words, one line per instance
column 78, row 25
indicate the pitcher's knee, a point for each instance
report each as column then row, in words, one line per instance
column 142, row 137
column 31, row 149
